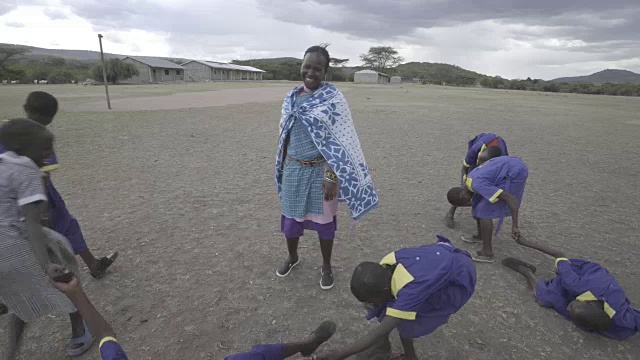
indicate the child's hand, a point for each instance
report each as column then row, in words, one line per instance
column 515, row 233
column 69, row 288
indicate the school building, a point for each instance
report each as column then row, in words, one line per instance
column 370, row 77
column 199, row 71
column 153, row 70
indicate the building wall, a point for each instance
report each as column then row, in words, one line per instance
column 198, row 72
column 143, row 77
column 163, row 75
column 396, row 80
column 383, row 79
column 365, row 78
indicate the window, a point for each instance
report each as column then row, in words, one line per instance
column 215, row 71
column 177, row 72
column 166, row 72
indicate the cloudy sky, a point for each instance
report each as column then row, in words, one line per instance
column 513, row 39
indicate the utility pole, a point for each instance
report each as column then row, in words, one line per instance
column 104, row 72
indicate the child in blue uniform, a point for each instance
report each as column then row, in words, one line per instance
column 415, row 290
column 582, row 292
column 495, row 189
column 476, row 147
column 282, row 351
column 42, row 107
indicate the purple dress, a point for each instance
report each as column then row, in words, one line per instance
column 588, row 281
column 61, row 219
column 261, row 352
column 430, row 283
column 477, row 146
column 489, row 180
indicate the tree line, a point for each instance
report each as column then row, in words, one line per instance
column 57, row 70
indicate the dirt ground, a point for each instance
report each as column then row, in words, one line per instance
column 187, row 196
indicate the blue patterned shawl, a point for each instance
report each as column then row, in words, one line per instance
column 327, row 116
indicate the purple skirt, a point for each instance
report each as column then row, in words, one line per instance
column 292, row 228
column 261, row 352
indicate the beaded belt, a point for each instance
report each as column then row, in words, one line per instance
column 317, row 161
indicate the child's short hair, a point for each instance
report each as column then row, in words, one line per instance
column 17, row 135
column 455, row 196
column 590, row 315
column 43, row 104
column 493, row 151
column 369, row 281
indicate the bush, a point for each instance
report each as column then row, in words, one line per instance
column 61, row 77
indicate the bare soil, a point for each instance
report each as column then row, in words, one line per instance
column 186, row 194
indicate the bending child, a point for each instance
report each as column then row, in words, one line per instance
column 583, row 292
column 476, row 147
column 494, row 189
column 415, row 290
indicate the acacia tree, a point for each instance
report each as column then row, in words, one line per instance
column 117, row 70
column 381, row 58
column 8, row 52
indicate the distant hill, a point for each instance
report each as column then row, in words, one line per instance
column 36, row 53
column 436, row 72
column 612, row 76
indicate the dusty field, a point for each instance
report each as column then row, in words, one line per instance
column 187, row 197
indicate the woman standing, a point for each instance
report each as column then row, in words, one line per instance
column 319, row 162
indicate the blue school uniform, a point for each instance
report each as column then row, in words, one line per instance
column 489, row 180
column 583, row 280
column 477, row 146
column 111, row 350
column 429, row 283
column 61, row 219
column 261, row 352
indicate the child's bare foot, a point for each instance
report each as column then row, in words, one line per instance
column 323, row 333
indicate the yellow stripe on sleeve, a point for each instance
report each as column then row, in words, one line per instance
column 468, row 181
column 49, row 168
column 494, row 198
column 464, row 163
column 560, row 259
column 405, row 315
column 106, row 339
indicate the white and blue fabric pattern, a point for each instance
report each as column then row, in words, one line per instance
column 327, row 116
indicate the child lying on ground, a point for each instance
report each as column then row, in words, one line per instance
column 583, row 292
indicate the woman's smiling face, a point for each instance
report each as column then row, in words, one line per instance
column 313, row 70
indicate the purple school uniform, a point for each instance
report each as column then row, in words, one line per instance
column 586, row 281
column 430, row 283
column 478, row 144
column 61, row 219
column 489, row 180
column 261, row 352
column 111, row 350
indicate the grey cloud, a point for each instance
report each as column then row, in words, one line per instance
column 55, row 14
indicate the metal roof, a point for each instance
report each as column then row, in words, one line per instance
column 218, row 65
column 370, row 72
column 156, row 62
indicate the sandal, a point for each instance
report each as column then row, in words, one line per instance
column 483, row 259
column 513, row 264
column 472, row 240
column 286, row 267
column 323, row 333
column 103, row 265
column 326, row 280
column 85, row 340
